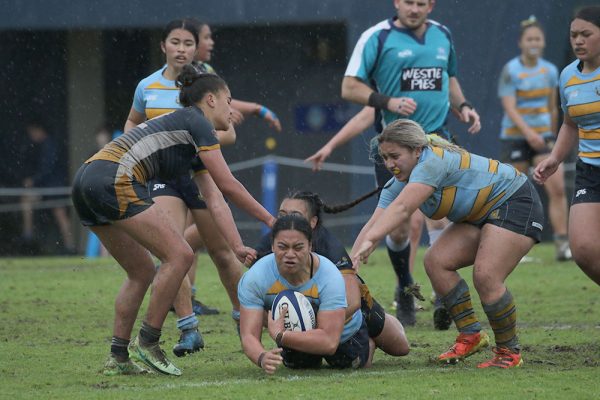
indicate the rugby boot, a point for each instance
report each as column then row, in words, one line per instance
column 504, row 358
column 466, row 345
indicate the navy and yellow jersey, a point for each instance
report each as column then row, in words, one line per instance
column 532, row 88
column 325, row 290
column 580, row 99
column 323, row 242
column 467, row 187
column 397, row 63
column 163, row 147
column 155, row 95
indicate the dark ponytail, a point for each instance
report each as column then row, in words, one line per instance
column 316, row 206
column 194, row 84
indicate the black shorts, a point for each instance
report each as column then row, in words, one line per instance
column 98, row 200
column 354, row 352
column 587, row 183
column 299, row 360
column 522, row 213
column 513, row 151
column 183, row 188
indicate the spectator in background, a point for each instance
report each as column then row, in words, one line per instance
column 527, row 89
column 47, row 170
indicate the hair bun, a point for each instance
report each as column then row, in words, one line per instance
column 187, row 76
column 532, row 20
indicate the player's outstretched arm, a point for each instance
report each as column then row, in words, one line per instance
column 357, row 125
column 259, row 110
column 250, row 331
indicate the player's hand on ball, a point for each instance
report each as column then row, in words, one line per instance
column 275, row 325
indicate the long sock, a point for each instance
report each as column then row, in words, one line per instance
column 187, row 323
column 503, row 320
column 458, row 304
column 118, row 347
column 399, row 256
column 148, row 334
column 434, row 234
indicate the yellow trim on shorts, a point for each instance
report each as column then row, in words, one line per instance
column 209, row 148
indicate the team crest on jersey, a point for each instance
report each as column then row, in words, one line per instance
column 428, row 78
column 494, row 214
column 441, row 54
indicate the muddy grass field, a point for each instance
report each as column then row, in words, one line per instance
column 56, row 316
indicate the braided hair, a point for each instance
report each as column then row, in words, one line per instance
column 316, row 206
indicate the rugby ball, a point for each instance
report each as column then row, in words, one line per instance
column 299, row 314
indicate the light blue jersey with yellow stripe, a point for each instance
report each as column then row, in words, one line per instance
column 155, row 95
column 399, row 64
column 468, row 187
column 325, row 290
column 580, row 99
column 532, row 88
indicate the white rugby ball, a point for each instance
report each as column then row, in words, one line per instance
column 298, row 312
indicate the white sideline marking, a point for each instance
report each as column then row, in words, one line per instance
column 291, row 378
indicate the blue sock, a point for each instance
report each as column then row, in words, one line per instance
column 187, row 323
